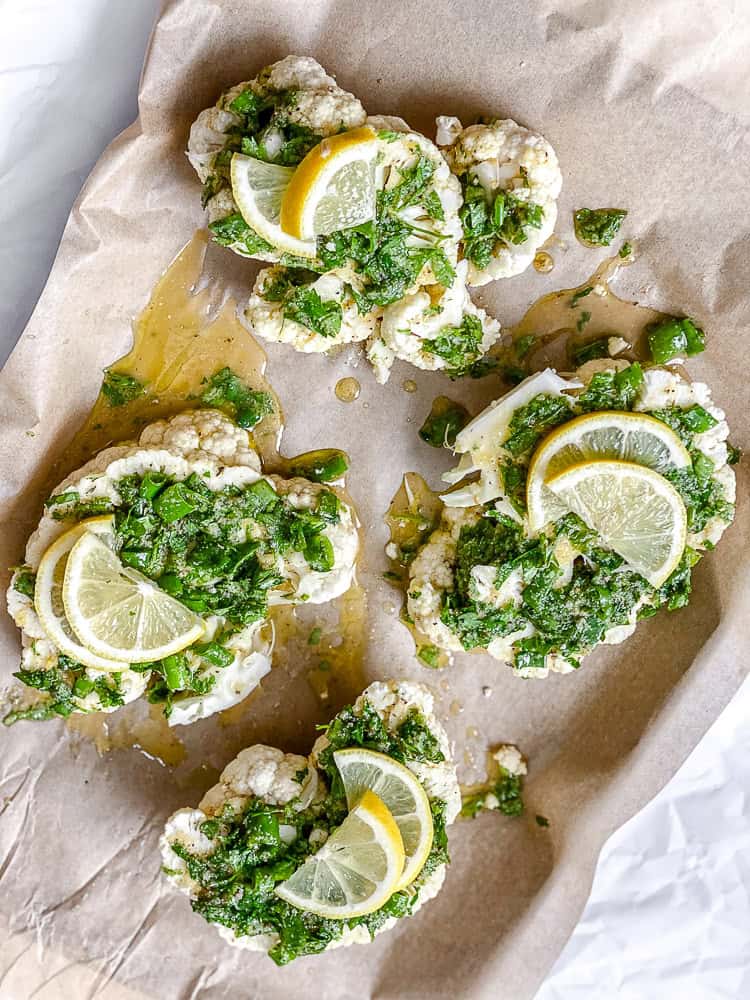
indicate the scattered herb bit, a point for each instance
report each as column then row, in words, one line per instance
column 305, row 306
column 443, row 423
column 24, row 581
column 625, row 251
column 541, row 820
column 315, row 636
column 504, row 795
column 119, row 388
column 582, row 353
column 674, row 337
column 325, row 466
column 430, row 656
column 583, row 320
column 460, row 345
column 228, row 392
column 598, row 226
column 576, row 297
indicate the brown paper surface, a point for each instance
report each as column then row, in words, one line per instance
column 646, row 106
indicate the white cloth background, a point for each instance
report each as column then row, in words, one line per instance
column 669, row 911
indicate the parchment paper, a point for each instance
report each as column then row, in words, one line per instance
column 646, row 108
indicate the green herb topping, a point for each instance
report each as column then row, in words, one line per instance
column 598, row 226
column 119, row 388
column 491, row 222
column 674, row 337
column 443, row 424
column 227, row 392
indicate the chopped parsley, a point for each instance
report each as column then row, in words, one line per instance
column 611, row 390
column 505, row 795
column 305, row 306
column 674, row 337
column 491, row 222
column 62, row 686
column 228, row 392
column 598, row 226
column 460, row 345
column 233, row 231
column 390, row 252
column 530, row 422
column 443, row 423
column 25, row 580
column 236, row 881
column 185, row 537
column 264, row 131
column 119, row 389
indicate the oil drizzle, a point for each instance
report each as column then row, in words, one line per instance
column 543, row 262
column 347, row 389
column 413, row 514
column 553, row 324
column 149, row 733
column 184, row 335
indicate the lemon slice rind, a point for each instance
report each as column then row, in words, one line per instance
column 48, row 602
column 634, row 510
column 357, row 869
column 258, row 189
column 117, row 612
column 402, row 793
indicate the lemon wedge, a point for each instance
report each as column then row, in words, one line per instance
column 333, row 188
column 117, row 612
column 634, row 510
column 48, row 602
column 356, row 871
column 258, row 188
column 402, row 793
column 630, row 437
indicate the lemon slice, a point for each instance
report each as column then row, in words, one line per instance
column 634, row 510
column 356, row 871
column 402, row 793
column 118, row 613
column 333, row 188
column 48, row 602
column 631, row 437
column 258, row 189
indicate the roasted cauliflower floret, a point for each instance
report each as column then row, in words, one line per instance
column 279, row 116
column 511, row 181
column 286, row 807
column 312, row 313
column 436, row 329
